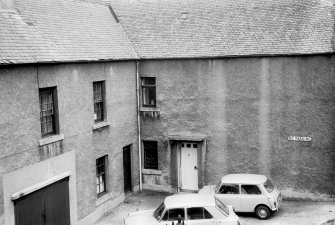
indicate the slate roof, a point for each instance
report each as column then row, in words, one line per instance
column 221, row 28
column 61, row 31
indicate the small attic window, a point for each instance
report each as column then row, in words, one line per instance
column 184, row 15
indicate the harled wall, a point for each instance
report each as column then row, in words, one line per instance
column 20, row 125
column 247, row 108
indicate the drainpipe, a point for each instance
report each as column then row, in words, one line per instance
column 137, row 95
column 138, row 123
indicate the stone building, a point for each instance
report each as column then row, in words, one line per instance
column 240, row 87
column 68, row 112
column 214, row 86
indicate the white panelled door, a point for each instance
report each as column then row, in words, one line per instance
column 189, row 166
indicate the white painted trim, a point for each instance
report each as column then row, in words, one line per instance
column 50, row 139
column 100, row 125
column 38, row 186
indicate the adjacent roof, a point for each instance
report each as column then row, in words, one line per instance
column 220, row 28
column 243, row 179
column 74, row 30
column 61, row 31
column 189, row 200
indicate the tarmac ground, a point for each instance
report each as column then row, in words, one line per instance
column 290, row 213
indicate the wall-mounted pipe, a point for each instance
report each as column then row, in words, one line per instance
column 139, row 124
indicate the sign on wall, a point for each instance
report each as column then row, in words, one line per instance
column 295, row 138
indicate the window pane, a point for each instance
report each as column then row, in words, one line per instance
column 166, row 216
column 47, row 111
column 269, row 186
column 250, row 189
column 98, row 99
column 195, row 213
column 152, row 96
column 158, row 212
column 173, row 214
column 229, row 189
column 101, row 174
column 207, row 215
column 145, row 96
column 149, row 91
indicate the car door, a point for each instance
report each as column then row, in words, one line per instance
column 171, row 215
column 251, row 196
column 229, row 194
column 199, row 216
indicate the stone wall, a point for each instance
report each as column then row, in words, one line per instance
column 20, row 131
column 248, row 108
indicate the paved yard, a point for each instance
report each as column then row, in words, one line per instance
column 291, row 213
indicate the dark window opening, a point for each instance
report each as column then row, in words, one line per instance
column 98, row 98
column 150, row 155
column 250, row 189
column 198, row 213
column 149, row 92
column 48, row 111
column 229, row 189
column 101, row 175
column 172, row 214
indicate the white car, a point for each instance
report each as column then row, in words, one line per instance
column 194, row 209
column 247, row 193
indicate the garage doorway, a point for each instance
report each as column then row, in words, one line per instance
column 46, row 206
column 189, row 166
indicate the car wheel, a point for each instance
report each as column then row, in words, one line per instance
column 262, row 212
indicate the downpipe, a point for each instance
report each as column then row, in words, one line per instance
column 139, row 124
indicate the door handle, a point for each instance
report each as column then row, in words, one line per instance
column 195, row 167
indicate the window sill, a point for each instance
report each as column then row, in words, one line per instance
column 103, row 198
column 149, row 109
column 152, row 172
column 50, row 139
column 100, row 125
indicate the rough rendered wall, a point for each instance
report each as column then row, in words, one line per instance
column 20, row 126
column 248, row 107
column 19, row 123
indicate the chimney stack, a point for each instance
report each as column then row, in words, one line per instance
column 7, row 5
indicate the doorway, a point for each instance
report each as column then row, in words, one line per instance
column 189, row 166
column 127, row 168
column 49, row 205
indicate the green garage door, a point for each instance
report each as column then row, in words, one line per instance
column 47, row 206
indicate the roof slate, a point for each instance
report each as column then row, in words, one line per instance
column 61, row 31
column 223, row 28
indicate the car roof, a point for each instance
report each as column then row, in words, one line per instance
column 189, row 200
column 244, row 178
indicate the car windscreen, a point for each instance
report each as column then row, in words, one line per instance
column 268, row 186
column 217, row 188
column 158, row 212
column 221, row 206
